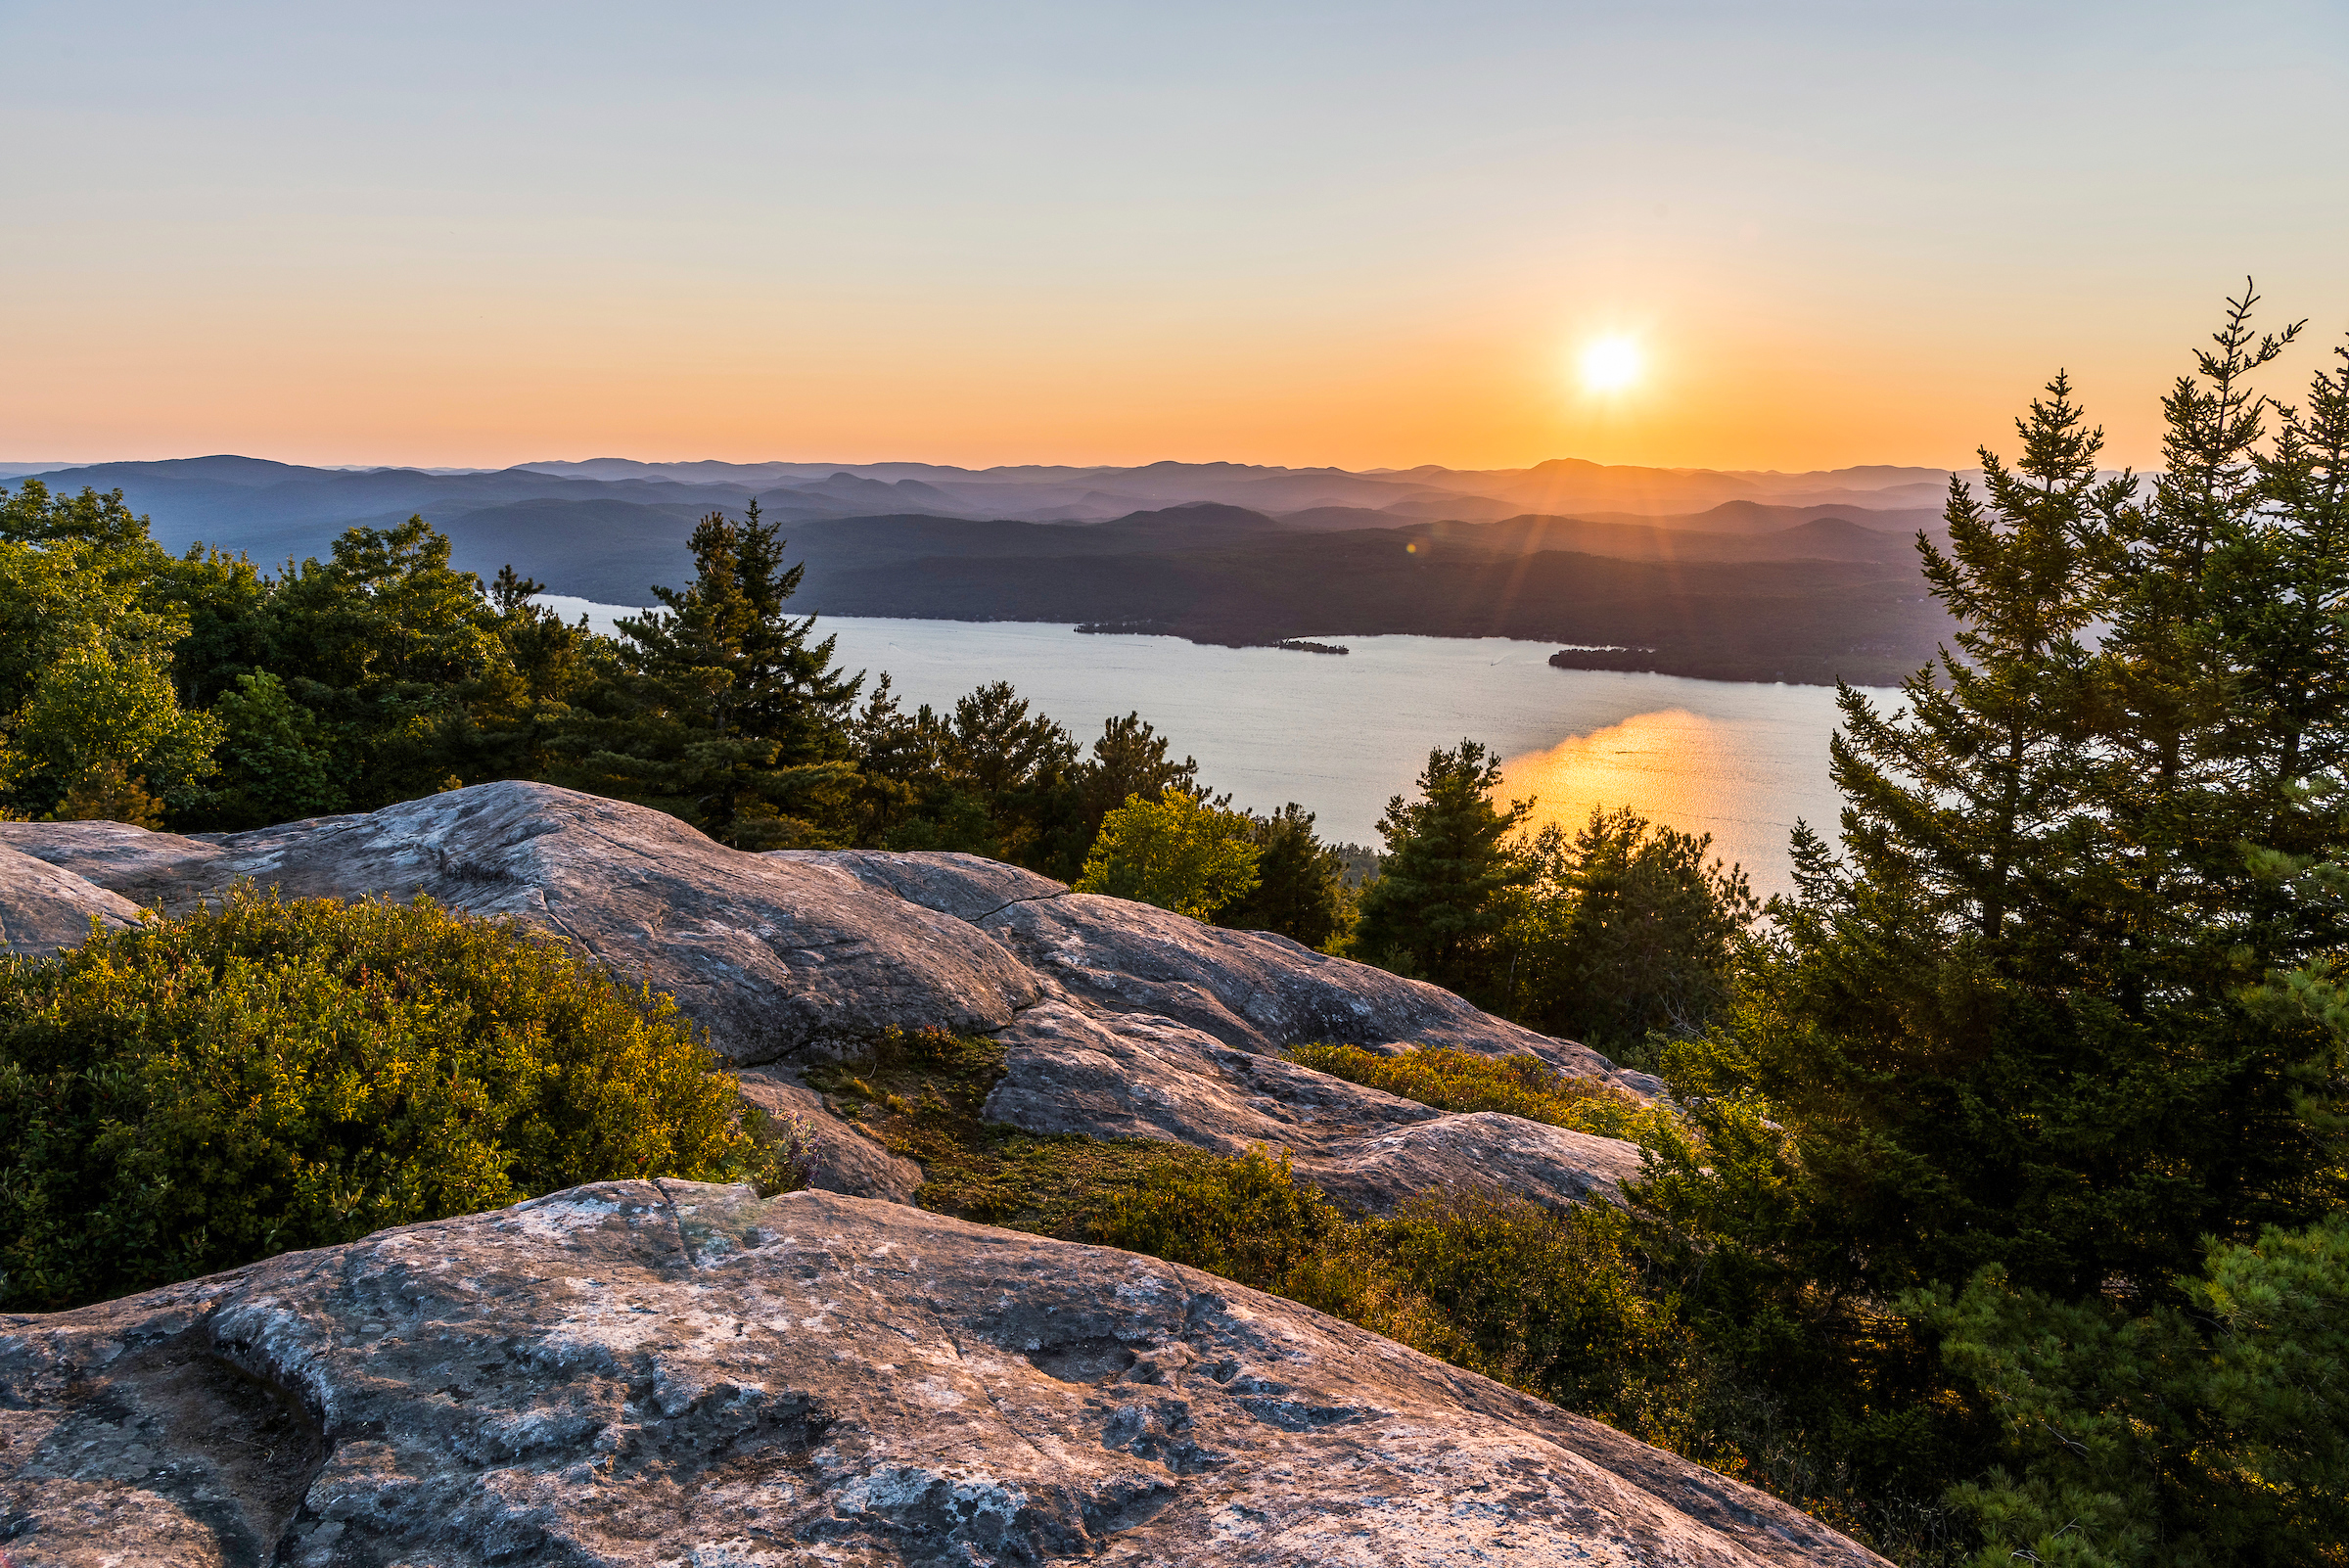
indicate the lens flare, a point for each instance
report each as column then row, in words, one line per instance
column 1610, row 364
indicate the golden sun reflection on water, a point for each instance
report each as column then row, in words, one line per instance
column 1672, row 766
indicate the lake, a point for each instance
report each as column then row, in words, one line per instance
column 1341, row 735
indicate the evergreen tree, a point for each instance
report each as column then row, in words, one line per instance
column 1017, row 765
column 1441, row 895
column 389, row 645
column 2009, row 1024
column 1300, row 881
column 731, row 713
column 521, row 704
column 1627, row 931
column 989, row 777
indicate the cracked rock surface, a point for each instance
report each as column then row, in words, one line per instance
column 1255, row 989
column 639, row 1372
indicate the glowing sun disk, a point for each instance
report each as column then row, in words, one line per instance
column 1610, row 364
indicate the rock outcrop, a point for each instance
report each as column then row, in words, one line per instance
column 1255, row 989
column 43, row 909
column 1118, row 1019
column 773, row 959
column 642, row 1372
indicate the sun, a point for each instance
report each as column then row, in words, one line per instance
column 1610, row 364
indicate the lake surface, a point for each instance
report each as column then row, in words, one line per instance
column 1342, row 735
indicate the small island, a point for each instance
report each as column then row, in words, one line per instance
column 1167, row 628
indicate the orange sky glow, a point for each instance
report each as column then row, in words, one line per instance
column 463, row 239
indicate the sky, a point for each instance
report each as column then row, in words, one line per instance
column 1362, row 234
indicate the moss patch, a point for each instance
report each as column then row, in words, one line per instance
column 921, row 1092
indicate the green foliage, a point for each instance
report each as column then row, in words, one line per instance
column 107, row 793
column 1626, row 931
column 990, row 777
column 1468, row 1081
column 1300, row 883
column 34, row 515
column 276, row 760
column 390, row 648
column 225, row 603
column 1127, row 759
column 2214, row 1433
column 2209, row 1424
column 96, row 713
column 92, row 719
column 1178, row 851
column 197, row 1093
column 2042, row 1055
column 1436, row 909
column 1246, row 1219
column 2014, row 1014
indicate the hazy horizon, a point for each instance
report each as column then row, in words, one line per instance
column 40, row 465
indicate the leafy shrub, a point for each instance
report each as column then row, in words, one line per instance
column 1178, row 851
column 1545, row 1300
column 264, row 1076
column 1467, row 1081
column 1251, row 1220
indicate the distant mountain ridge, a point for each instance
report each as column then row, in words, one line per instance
column 265, row 507
column 1740, row 575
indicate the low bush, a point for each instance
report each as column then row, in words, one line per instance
column 1467, row 1081
column 197, row 1093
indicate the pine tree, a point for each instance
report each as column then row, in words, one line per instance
column 731, row 711
column 2011, row 1020
column 1127, row 759
column 1627, row 931
column 1300, row 881
column 1441, row 897
column 1016, row 765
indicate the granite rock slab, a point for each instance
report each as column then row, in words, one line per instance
column 1255, row 989
column 45, row 909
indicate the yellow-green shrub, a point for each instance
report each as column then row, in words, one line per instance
column 1467, row 1081
column 266, row 1076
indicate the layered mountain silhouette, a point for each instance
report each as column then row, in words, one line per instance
column 1746, row 575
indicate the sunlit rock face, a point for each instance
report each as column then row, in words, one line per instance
column 1118, row 1019
column 640, row 1372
